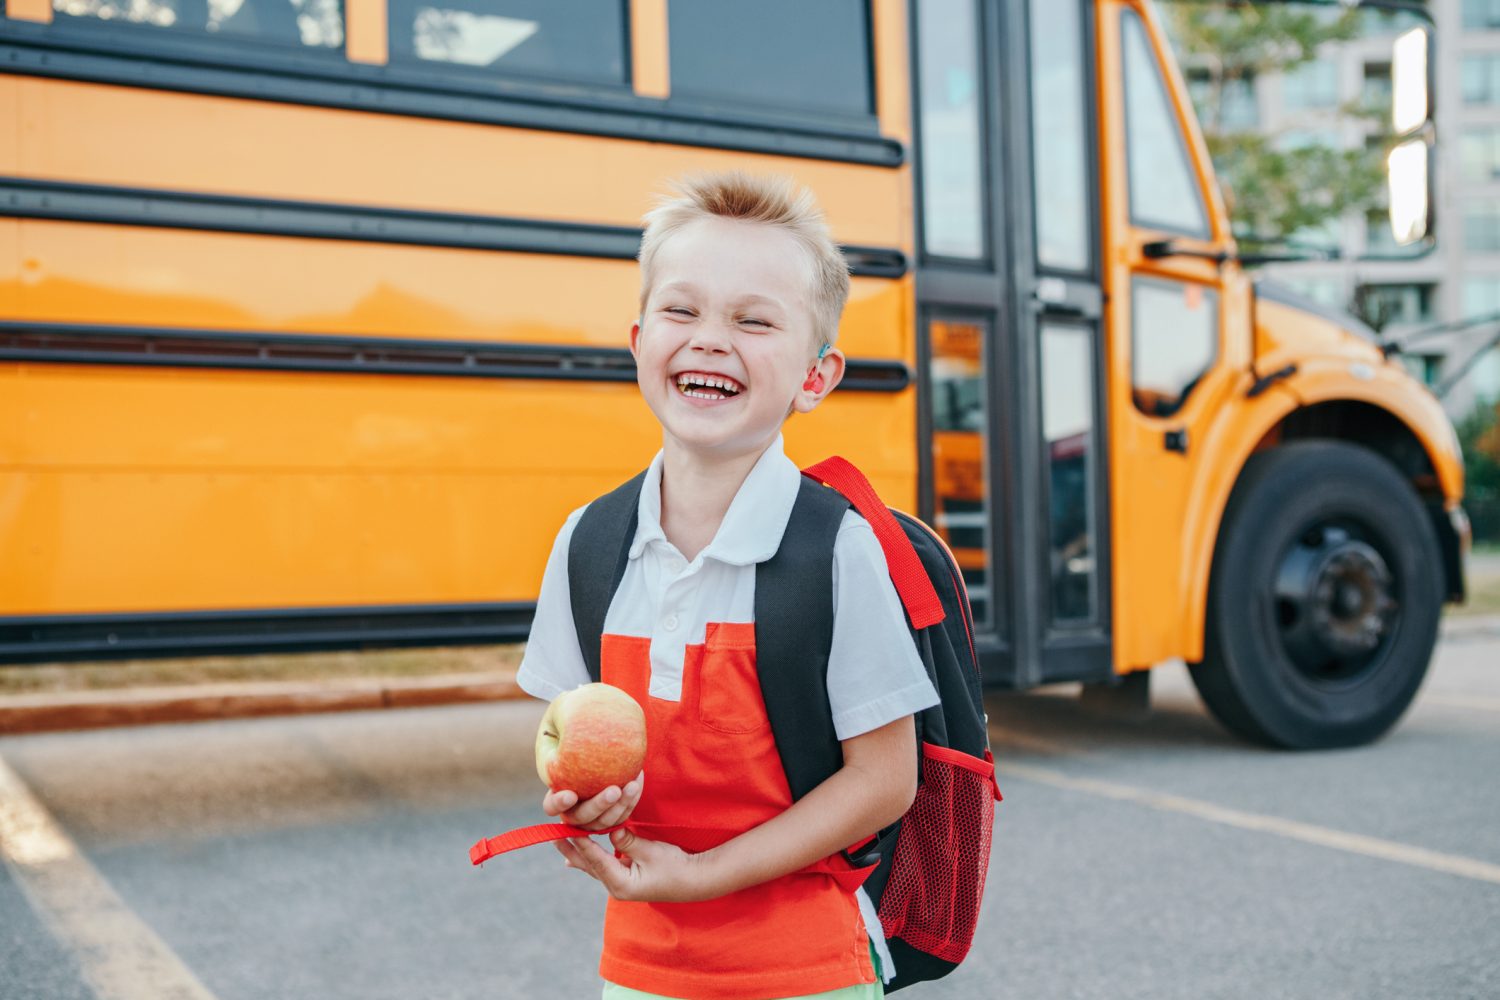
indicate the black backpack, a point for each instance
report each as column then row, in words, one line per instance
column 929, row 881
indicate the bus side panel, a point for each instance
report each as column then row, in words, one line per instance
column 84, row 273
column 134, row 488
column 158, row 140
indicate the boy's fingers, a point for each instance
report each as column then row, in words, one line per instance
column 600, row 864
column 587, row 812
column 557, row 803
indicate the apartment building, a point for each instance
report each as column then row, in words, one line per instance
column 1462, row 277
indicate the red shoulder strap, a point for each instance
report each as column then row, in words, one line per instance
column 526, row 836
column 911, row 580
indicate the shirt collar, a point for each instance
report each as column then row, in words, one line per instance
column 757, row 517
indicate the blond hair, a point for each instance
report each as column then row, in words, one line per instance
column 770, row 200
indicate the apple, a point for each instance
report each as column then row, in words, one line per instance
column 590, row 738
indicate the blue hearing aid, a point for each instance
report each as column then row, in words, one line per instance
column 824, row 350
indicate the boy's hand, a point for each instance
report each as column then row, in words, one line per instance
column 651, row 871
column 609, row 808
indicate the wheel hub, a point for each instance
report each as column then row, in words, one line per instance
column 1335, row 600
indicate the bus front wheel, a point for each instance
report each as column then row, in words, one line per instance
column 1324, row 601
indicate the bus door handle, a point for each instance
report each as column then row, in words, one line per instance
column 1070, row 298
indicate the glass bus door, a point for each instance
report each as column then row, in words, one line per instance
column 1011, row 433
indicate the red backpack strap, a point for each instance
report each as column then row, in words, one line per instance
column 526, row 836
column 907, row 573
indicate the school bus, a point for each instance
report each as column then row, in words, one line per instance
column 314, row 312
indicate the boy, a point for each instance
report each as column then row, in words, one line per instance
column 723, row 887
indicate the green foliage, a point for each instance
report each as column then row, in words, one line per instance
column 1274, row 195
column 1479, row 436
column 1281, row 193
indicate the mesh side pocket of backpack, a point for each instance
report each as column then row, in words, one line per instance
column 932, row 898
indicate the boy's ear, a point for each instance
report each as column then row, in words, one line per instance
column 635, row 336
column 815, row 388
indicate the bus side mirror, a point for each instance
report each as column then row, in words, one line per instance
column 1409, row 165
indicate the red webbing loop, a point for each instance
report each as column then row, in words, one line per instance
column 526, row 836
column 911, row 580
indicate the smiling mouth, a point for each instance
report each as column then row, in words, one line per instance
column 703, row 386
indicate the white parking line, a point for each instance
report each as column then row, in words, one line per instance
column 121, row 958
column 1354, row 843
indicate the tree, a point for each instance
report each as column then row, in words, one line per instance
column 1479, row 437
column 1274, row 194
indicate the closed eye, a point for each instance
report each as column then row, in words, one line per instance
column 755, row 322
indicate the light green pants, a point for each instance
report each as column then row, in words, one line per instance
column 864, row 991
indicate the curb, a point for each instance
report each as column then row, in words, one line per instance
column 39, row 713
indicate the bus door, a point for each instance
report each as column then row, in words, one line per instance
column 1011, row 440
column 1178, row 320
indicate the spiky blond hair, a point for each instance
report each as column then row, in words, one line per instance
column 770, row 200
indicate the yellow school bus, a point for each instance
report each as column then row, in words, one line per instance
column 314, row 312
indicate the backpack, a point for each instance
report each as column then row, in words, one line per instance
column 929, row 881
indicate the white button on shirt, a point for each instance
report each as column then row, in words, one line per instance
column 874, row 674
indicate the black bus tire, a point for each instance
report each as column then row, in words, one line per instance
column 1316, row 511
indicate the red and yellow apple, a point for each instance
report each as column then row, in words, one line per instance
column 590, row 738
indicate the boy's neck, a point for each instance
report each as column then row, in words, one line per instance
column 696, row 493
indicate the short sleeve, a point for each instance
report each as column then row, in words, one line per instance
column 553, row 663
column 874, row 673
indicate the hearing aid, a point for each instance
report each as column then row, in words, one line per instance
column 814, row 381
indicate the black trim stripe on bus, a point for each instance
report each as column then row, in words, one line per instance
column 95, row 344
column 50, row 638
column 206, row 66
column 95, row 203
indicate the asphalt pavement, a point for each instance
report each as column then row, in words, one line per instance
column 326, row 856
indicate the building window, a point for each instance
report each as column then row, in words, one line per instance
column 1378, row 236
column 1377, row 85
column 1485, row 376
column 1481, row 295
column 1482, row 13
column 577, row 40
column 1479, row 155
column 1391, row 304
column 1233, row 109
column 1482, row 228
column 307, row 24
column 773, row 53
column 1312, row 85
column 1426, row 367
column 1481, row 79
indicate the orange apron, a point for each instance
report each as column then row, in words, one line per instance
column 712, row 772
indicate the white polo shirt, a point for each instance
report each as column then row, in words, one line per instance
column 874, row 674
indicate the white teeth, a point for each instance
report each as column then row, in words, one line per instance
column 689, row 380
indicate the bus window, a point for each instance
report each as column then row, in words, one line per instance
column 778, row 53
column 316, row 24
column 1163, row 192
column 959, row 445
column 583, row 40
column 1060, row 146
column 1174, row 339
column 953, row 205
column 1068, row 432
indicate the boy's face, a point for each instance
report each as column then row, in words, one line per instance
column 726, row 344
